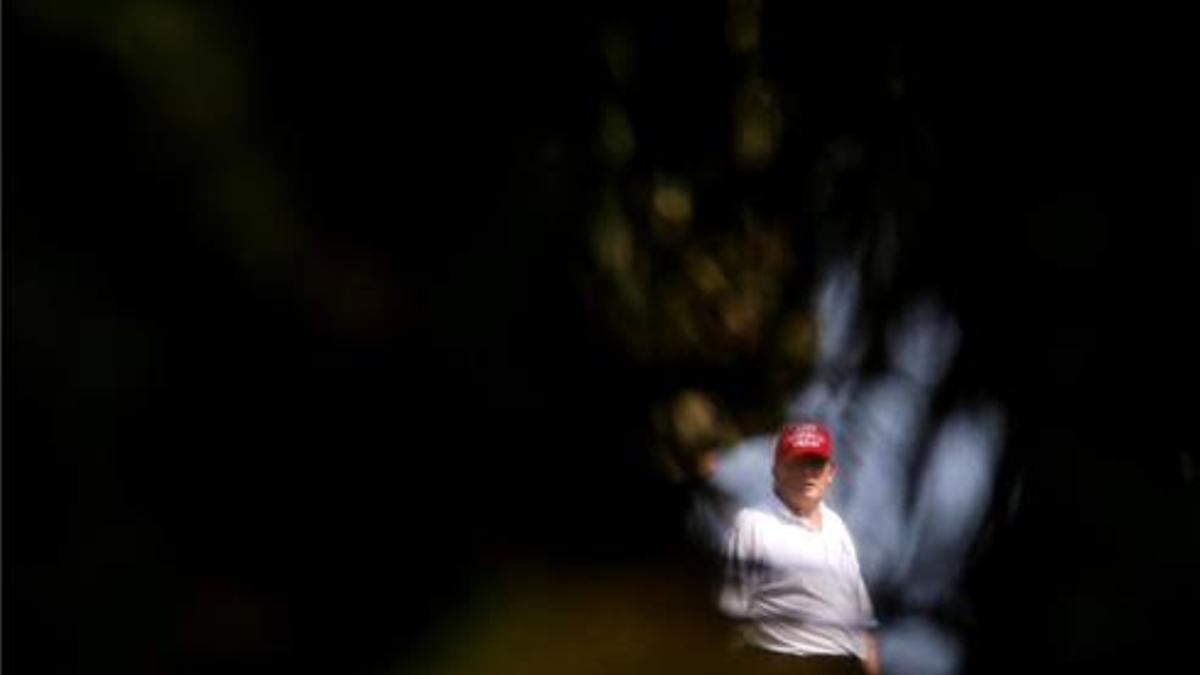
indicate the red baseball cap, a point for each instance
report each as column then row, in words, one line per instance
column 798, row 440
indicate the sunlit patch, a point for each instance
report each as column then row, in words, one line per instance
column 744, row 29
column 705, row 273
column 797, row 339
column 757, row 125
column 612, row 244
column 672, row 210
column 619, row 56
column 616, row 135
column 531, row 621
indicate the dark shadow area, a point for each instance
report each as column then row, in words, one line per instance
column 305, row 349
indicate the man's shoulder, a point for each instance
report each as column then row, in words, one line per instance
column 751, row 515
column 837, row 527
column 831, row 516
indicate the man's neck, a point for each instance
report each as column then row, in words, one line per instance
column 808, row 512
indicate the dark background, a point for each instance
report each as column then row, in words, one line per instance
column 333, row 440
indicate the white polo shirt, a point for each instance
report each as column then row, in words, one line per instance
column 797, row 589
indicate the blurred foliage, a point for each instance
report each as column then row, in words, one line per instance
column 279, row 287
column 190, row 69
column 705, row 241
column 714, row 196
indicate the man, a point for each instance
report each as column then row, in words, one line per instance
column 793, row 580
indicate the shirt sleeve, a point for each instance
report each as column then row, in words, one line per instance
column 742, row 569
column 865, row 607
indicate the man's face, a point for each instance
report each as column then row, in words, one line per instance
column 803, row 480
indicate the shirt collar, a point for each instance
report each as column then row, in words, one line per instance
column 787, row 515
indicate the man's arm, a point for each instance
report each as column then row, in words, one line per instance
column 871, row 664
column 740, row 570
